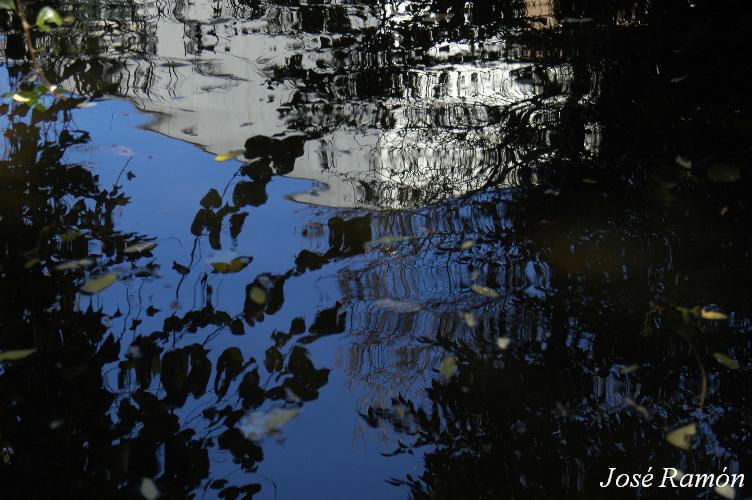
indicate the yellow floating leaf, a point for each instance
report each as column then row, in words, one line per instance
column 713, row 315
column 259, row 424
column 684, row 162
column 16, row 355
column 726, row 361
column 726, row 491
column 20, row 98
column 448, row 367
column 257, row 295
column 467, row 244
column 626, row 370
column 470, row 319
column 227, row 156
column 485, row 291
column 503, row 342
column 139, row 247
column 235, row 265
column 148, row 489
column 99, row 283
column 74, row 264
column 681, row 437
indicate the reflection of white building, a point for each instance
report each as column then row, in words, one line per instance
column 438, row 131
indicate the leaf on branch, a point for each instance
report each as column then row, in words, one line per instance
column 48, row 17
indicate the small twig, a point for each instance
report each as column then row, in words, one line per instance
column 33, row 53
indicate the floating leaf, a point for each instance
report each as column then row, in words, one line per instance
column 143, row 246
column 399, row 306
column 713, row 315
column 470, row 319
column 684, row 162
column 726, row 361
column 384, row 240
column 257, row 425
column 626, row 370
column 74, row 264
column 69, row 236
column 725, row 491
column 235, row 265
column 467, row 244
column 257, row 295
column 485, row 291
column 723, row 173
column 48, row 17
column 448, row 367
column 682, row 436
column 20, row 98
column 228, row 155
column 148, row 489
column 99, row 283
column 16, row 355
column 503, row 342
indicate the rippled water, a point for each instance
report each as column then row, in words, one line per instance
column 458, row 250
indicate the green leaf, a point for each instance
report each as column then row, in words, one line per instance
column 235, row 265
column 16, row 355
column 47, row 17
column 8, row 5
column 99, row 283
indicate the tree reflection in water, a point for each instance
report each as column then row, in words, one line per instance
column 564, row 155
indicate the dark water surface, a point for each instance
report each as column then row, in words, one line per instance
column 453, row 250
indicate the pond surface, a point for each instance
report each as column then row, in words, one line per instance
column 352, row 250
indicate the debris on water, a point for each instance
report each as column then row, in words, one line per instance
column 148, row 489
column 485, row 291
column 398, row 306
column 257, row 425
column 682, row 437
column 99, row 283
